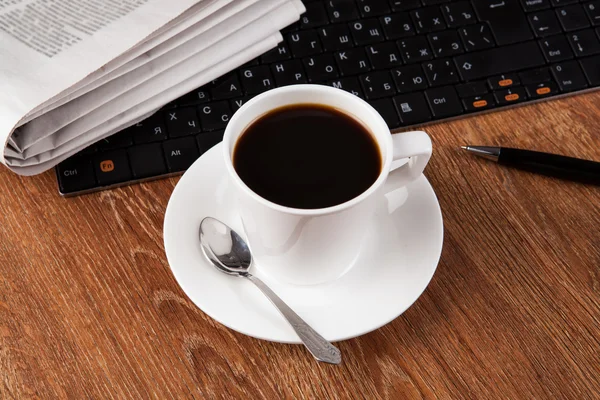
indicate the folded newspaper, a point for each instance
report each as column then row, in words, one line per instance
column 73, row 72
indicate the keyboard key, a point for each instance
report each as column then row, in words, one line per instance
column 569, row 76
column 544, row 89
column 257, row 79
column 445, row 44
column 409, row 78
column 535, row 5
column 384, row 55
column 314, row 16
column 90, row 149
column 341, row 10
column 593, row 11
column 150, row 130
column 544, row 23
column 556, row 48
column 403, row 5
column 471, row 89
column 226, row 87
column 412, row 108
column 428, row 19
column 75, row 174
column 510, row 96
column 444, row 102
column 459, row 14
column 335, row 37
column 572, row 18
column 386, row 108
column 476, row 37
column 181, row 153
column 290, row 28
column 208, row 140
column 304, row 43
column 352, row 62
column 504, row 81
column 194, row 97
column 584, row 43
column 440, row 72
column 397, row 26
column 235, row 104
column 351, row 85
column 472, row 66
column 415, row 49
column 214, row 115
column 182, row 121
column 147, row 160
column 320, row 68
column 366, row 32
column 112, row 167
column 479, row 103
column 506, row 19
column 535, row 76
column 288, row 73
column 377, row 84
column 169, row 105
column 252, row 63
column 591, row 68
column 118, row 140
column 372, row 8
column 279, row 53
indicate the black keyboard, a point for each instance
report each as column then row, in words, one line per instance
column 415, row 61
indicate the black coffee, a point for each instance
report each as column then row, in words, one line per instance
column 307, row 156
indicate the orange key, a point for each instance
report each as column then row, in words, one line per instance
column 543, row 90
column 107, row 165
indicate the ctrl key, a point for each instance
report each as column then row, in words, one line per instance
column 75, row 174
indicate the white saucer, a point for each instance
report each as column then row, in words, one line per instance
column 393, row 269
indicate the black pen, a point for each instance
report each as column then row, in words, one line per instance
column 573, row 169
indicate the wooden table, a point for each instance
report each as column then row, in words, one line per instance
column 89, row 308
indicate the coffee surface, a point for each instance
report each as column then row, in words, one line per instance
column 307, row 156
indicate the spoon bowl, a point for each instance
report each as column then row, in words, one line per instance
column 224, row 248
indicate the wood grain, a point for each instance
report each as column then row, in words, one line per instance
column 89, row 308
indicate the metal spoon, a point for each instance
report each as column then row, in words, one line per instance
column 228, row 252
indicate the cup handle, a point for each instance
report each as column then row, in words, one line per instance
column 416, row 146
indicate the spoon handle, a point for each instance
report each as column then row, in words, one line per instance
column 320, row 348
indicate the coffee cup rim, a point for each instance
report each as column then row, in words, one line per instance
column 376, row 124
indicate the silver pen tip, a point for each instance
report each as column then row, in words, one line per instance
column 491, row 153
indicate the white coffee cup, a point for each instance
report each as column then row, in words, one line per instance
column 311, row 246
